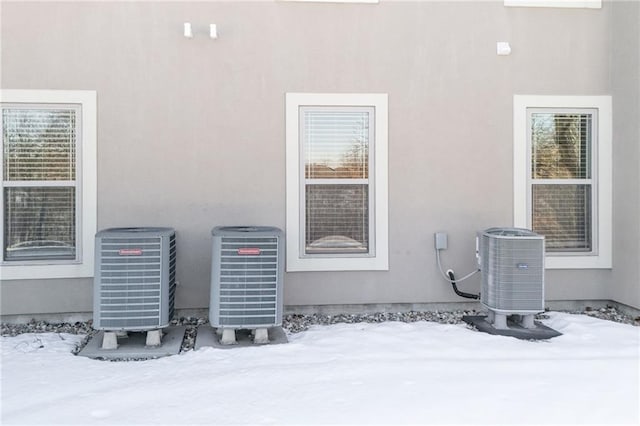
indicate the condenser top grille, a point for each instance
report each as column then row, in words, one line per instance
column 511, row 233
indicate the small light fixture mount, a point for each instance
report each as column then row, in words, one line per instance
column 503, row 48
column 188, row 32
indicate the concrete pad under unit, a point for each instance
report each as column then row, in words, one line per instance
column 207, row 337
column 514, row 329
column 134, row 346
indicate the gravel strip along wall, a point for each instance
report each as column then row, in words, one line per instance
column 295, row 323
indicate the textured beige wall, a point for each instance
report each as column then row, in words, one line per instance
column 191, row 131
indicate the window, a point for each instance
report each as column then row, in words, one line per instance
column 336, row 182
column 48, row 184
column 562, row 172
column 584, row 4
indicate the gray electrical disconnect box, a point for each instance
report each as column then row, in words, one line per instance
column 441, row 240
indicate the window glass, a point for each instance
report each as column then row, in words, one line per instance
column 562, row 213
column 337, row 219
column 336, row 144
column 561, row 146
column 561, row 171
column 336, row 171
column 40, row 223
column 39, row 179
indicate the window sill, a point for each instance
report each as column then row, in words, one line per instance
column 37, row 272
column 577, row 262
column 378, row 263
column 574, row 4
column 332, row 1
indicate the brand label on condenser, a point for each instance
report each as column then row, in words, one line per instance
column 249, row 251
column 130, row 252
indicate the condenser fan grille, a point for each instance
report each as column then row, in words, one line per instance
column 135, row 280
column 247, row 278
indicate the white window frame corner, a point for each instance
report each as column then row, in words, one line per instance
column 602, row 256
column 86, row 173
column 295, row 262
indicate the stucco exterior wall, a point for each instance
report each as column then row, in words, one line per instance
column 625, row 79
column 191, row 131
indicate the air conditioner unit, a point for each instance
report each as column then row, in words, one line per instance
column 512, row 265
column 246, row 277
column 135, row 279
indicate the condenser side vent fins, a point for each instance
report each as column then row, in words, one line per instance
column 512, row 265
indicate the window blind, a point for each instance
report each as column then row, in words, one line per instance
column 561, row 146
column 337, row 218
column 39, row 182
column 39, row 144
column 336, row 170
column 561, row 179
column 336, row 145
column 39, row 223
column 562, row 213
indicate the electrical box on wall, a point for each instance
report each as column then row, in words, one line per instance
column 441, row 240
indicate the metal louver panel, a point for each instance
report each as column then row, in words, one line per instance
column 135, row 278
column 512, row 264
column 246, row 277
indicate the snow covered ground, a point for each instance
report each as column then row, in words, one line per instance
column 388, row 373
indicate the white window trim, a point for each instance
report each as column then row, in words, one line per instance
column 88, row 175
column 295, row 260
column 574, row 4
column 333, row 1
column 602, row 258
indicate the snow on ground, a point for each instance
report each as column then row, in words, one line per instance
column 388, row 373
